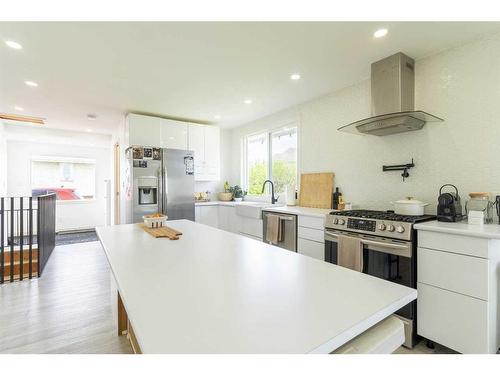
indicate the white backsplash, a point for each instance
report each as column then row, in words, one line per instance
column 461, row 85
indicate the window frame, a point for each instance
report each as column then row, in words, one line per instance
column 269, row 132
column 71, row 160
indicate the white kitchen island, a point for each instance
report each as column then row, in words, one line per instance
column 213, row 291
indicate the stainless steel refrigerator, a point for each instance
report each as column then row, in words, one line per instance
column 160, row 180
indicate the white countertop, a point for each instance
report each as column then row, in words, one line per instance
column 294, row 210
column 461, row 228
column 213, row 291
column 302, row 211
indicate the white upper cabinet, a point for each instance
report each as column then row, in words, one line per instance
column 173, row 134
column 143, row 130
column 204, row 140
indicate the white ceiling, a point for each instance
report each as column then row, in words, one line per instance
column 197, row 70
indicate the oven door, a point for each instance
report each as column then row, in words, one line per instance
column 384, row 258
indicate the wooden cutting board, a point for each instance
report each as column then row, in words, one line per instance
column 162, row 232
column 316, row 190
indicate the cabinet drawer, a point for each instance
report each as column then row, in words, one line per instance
column 311, row 248
column 458, row 273
column 311, row 234
column 311, row 222
column 453, row 320
column 454, row 243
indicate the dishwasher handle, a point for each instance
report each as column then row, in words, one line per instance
column 284, row 218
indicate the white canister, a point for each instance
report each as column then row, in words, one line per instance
column 290, row 195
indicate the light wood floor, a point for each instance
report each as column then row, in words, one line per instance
column 67, row 310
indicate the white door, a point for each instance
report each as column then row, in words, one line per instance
column 174, row 134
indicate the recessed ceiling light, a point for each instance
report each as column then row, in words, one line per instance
column 31, row 83
column 91, row 117
column 89, row 130
column 295, row 77
column 380, row 33
column 13, row 44
column 217, row 117
column 247, row 101
column 17, row 108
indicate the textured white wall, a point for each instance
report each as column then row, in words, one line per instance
column 461, row 85
column 3, row 162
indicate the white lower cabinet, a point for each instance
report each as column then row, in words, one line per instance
column 208, row 215
column 310, row 235
column 458, row 291
column 228, row 220
column 452, row 319
column 311, row 248
column 251, row 227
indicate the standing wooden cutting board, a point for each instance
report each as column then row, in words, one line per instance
column 316, row 190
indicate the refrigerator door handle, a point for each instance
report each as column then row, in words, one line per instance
column 160, row 190
column 164, row 190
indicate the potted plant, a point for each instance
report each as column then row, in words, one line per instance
column 227, row 194
column 238, row 193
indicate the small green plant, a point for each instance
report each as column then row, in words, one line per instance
column 227, row 187
column 237, row 191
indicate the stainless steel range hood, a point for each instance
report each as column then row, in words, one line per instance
column 393, row 99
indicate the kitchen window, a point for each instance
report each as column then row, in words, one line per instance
column 271, row 155
column 71, row 179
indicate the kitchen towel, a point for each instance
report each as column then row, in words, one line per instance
column 273, row 229
column 350, row 253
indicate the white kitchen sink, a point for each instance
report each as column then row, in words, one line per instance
column 253, row 209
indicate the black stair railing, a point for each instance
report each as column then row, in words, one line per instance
column 27, row 235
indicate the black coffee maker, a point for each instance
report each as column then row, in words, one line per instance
column 449, row 208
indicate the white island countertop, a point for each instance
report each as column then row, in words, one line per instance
column 213, row 291
column 491, row 231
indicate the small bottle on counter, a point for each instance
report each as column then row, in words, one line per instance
column 337, row 198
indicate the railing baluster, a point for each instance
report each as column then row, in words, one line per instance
column 2, row 240
column 21, row 240
column 30, row 215
column 12, row 229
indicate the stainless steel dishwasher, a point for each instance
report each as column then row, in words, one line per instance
column 288, row 227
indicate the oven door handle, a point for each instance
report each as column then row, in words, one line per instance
column 405, row 249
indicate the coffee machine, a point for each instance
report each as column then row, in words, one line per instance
column 449, row 208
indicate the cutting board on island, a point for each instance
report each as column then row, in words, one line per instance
column 316, row 190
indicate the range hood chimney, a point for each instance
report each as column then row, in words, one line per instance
column 393, row 99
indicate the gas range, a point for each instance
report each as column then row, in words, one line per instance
column 377, row 223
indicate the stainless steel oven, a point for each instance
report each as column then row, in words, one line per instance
column 388, row 259
column 389, row 246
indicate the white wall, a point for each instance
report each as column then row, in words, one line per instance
column 23, row 143
column 461, row 85
column 3, row 162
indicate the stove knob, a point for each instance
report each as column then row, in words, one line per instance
column 400, row 229
column 335, row 221
column 381, row 226
column 390, row 228
column 341, row 221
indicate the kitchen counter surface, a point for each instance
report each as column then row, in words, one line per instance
column 462, row 228
column 281, row 208
column 213, row 291
column 301, row 211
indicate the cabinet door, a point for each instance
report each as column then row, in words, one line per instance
column 224, row 218
column 209, row 216
column 196, row 143
column 144, row 130
column 454, row 320
column 212, row 153
column 197, row 214
column 174, row 134
column 311, row 248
